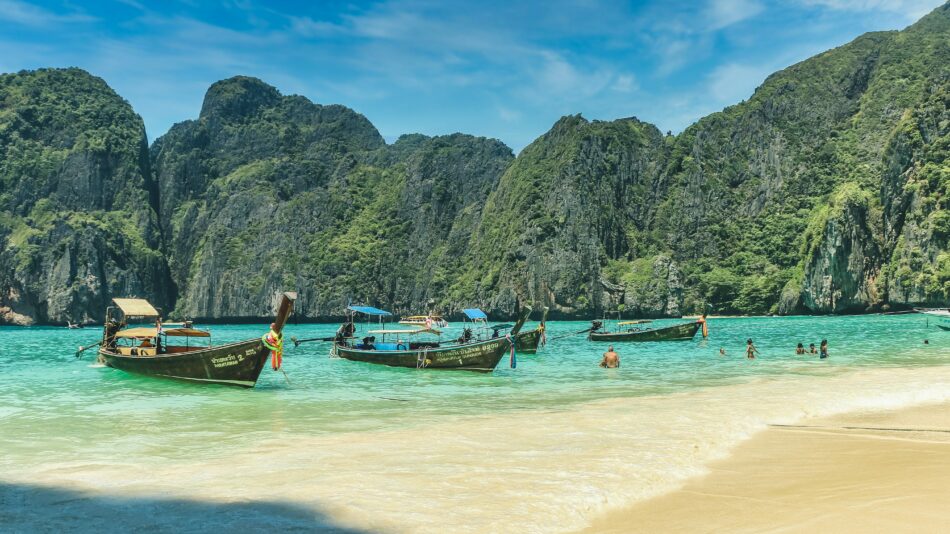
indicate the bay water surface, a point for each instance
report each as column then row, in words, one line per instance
column 543, row 447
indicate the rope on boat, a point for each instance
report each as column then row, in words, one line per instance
column 569, row 335
column 512, row 359
column 84, row 349
column 422, row 357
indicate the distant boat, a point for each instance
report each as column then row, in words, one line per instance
column 73, row 326
column 936, row 312
column 528, row 342
column 235, row 364
column 680, row 332
column 427, row 321
column 403, row 349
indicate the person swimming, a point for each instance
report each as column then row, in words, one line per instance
column 722, row 351
column 750, row 350
column 824, row 349
column 611, row 359
column 800, row 349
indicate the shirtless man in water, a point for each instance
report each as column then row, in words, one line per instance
column 611, row 359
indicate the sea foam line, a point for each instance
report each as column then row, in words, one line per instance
column 531, row 471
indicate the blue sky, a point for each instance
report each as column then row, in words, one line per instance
column 498, row 69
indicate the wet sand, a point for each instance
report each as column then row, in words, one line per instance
column 859, row 472
column 541, row 470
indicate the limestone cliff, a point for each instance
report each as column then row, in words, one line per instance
column 77, row 218
column 265, row 191
column 824, row 192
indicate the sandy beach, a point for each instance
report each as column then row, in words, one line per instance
column 858, row 472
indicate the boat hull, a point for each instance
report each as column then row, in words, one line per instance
column 680, row 332
column 481, row 356
column 235, row 364
column 527, row 342
column 943, row 327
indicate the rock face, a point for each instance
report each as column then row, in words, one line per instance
column 264, row 192
column 843, row 258
column 825, row 192
column 818, row 194
column 77, row 218
column 916, row 220
column 572, row 200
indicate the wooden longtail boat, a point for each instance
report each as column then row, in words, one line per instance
column 527, row 342
column 680, row 332
column 235, row 364
column 427, row 321
column 481, row 356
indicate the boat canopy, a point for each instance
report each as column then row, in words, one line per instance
column 407, row 331
column 136, row 308
column 475, row 313
column 148, row 332
column 368, row 310
column 634, row 322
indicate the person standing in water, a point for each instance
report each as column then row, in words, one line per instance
column 811, row 349
column 611, row 359
column 824, row 349
column 800, row 349
column 750, row 350
column 703, row 326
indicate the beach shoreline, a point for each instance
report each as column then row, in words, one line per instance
column 531, row 468
column 878, row 470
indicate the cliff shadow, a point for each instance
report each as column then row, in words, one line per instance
column 26, row 508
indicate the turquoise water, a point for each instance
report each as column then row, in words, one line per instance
column 42, row 383
column 42, row 386
column 85, row 416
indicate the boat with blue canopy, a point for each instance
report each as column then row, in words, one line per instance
column 408, row 347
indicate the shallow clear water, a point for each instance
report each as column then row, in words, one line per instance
column 69, row 422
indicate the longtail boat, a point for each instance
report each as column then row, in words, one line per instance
column 424, row 320
column 465, row 353
column 235, row 364
column 680, row 332
column 528, row 342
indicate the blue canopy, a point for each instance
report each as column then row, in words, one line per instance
column 368, row 310
column 475, row 313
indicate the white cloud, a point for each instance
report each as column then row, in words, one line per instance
column 558, row 78
column 509, row 115
column 731, row 82
column 910, row 10
column 30, row 15
column 308, row 27
column 625, row 83
column 723, row 13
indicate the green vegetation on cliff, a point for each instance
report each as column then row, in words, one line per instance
column 77, row 225
column 265, row 192
column 821, row 193
column 824, row 192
